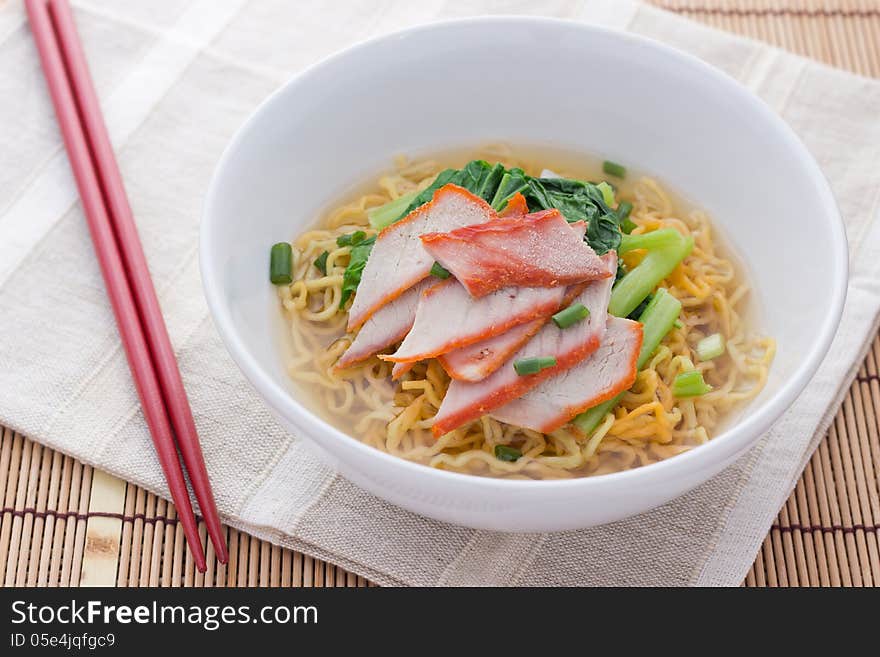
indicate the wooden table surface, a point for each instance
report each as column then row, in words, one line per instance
column 63, row 523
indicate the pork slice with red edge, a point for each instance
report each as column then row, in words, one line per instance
column 466, row 401
column 448, row 317
column 400, row 369
column 610, row 370
column 398, row 260
column 477, row 361
column 385, row 327
column 533, row 250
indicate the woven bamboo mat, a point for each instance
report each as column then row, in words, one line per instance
column 64, row 523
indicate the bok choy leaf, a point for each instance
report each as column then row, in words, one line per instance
column 575, row 199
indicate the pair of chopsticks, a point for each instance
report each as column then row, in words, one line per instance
column 124, row 269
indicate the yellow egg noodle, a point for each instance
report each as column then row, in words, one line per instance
column 648, row 425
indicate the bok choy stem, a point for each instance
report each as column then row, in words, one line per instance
column 387, row 214
column 657, row 320
column 656, row 265
column 656, row 239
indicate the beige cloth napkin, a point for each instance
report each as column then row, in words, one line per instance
column 176, row 78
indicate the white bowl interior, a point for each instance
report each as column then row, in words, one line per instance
column 533, row 82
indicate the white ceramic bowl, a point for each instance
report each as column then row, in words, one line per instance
column 532, row 81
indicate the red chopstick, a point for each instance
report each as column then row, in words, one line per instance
column 100, row 221
column 138, row 272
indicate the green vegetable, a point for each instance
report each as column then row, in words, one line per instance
column 657, row 320
column 627, row 225
column 654, row 267
column 445, row 176
column 635, row 314
column 710, row 347
column 570, row 316
column 677, row 324
column 321, row 263
column 511, row 182
column 478, row 177
column 438, row 270
column 507, row 453
column 576, row 200
column 489, row 184
column 387, row 214
column 614, row 169
column 690, row 384
column 603, row 234
column 656, row 239
column 526, row 366
column 607, row 193
column 352, row 239
column 281, row 264
column 352, row 276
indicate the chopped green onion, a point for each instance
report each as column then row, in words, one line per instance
column 677, row 324
column 627, row 225
column 352, row 239
column 507, row 453
column 572, row 315
column 710, row 347
column 607, row 193
column 280, row 264
column 614, row 169
column 657, row 320
column 526, row 366
column 439, row 271
column 387, row 214
column 690, row 384
column 321, row 263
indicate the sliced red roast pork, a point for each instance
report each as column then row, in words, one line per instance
column 448, row 317
column 609, row 371
column 533, row 250
column 400, row 369
column 398, row 260
column 477, row 361
column 466, row 401
column 385, row 327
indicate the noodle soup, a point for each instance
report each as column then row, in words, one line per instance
column 712, row 341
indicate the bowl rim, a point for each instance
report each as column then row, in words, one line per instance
column 728, row 443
